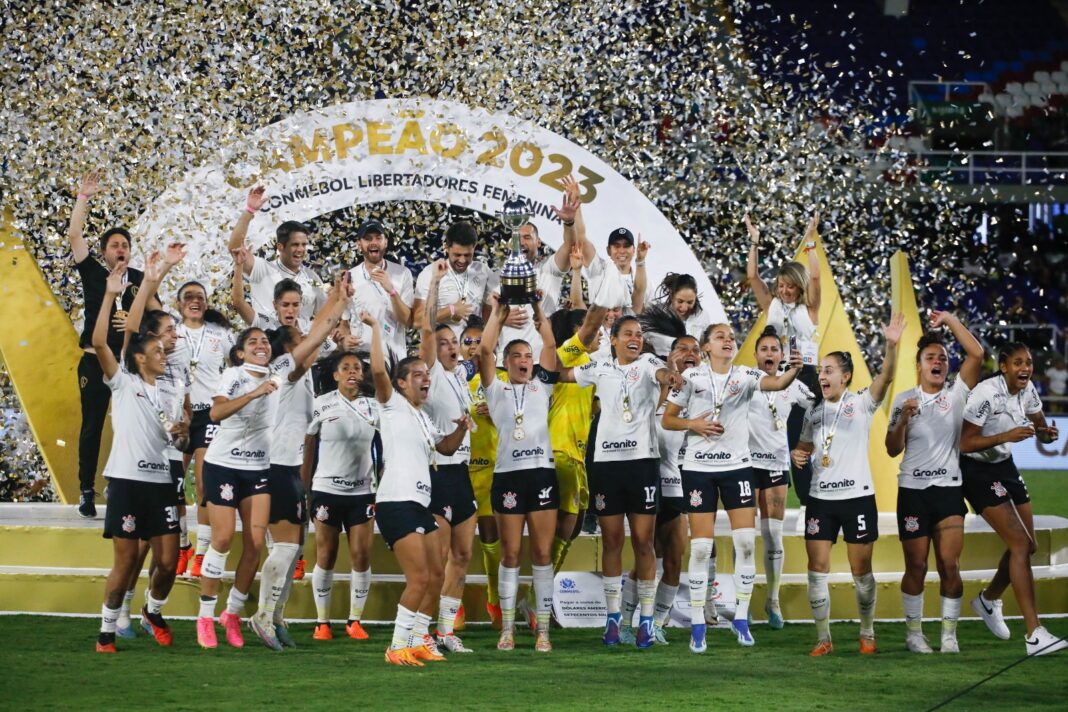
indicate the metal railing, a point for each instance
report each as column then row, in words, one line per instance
column 916, row 96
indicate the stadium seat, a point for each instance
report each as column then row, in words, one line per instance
column 1058, row 77
column 1064, row 65
column 1047, row 87
column 1003, row 101
column 1041, row 76
column 986, row 98
column 1014, row 111
column 1031, row 88
column 1014, row 88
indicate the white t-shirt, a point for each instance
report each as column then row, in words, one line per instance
column 932, row 441
column 409, row 437
column 243, row 441
column 372, row 298
column 345, row 429
column 550, row 280
column 848, row 476
column 595, row 273
column 531, row 399
column 992, row 408
column 767, row 443
column 139, row 438
column 269, row 322
column 294, row 412
column 672, row 449
column 1058, row 380
column 267, row 273
column 475, row 285
column 604, row 348
column 791, row 320
column 449, row 399
column 618, row 440
column 173, row 385
column 702, row 389
column 208, row 347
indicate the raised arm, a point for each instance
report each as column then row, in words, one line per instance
column 892, row 334
column 575, row 295
column 242, row 260
column 113, row 288
column 379, row 372
column 87, row 188
column 752, row 268
column 547, row 360
column 156, row 268
column 973, row 350
column 256, row 198
column 428, row 347
column 322, row 325
column 591, row 324
column 783, row 380
column 637, row 299
column 812, row 299
column 568, row 213
column 487, row 363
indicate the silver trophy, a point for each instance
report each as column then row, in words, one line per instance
column 519, row 284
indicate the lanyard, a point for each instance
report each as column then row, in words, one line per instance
column 462, row 393
column 194, row 353
column 829, row 436
column 928, row 401
column 154, row 402
column 421, row 417
column 461, row 287
column 624, row 389
column 367, row 276
column 717, row 401
column 1024, row 420
column 352, row 406
column 519, row 402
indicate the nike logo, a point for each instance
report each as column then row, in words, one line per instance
column 1029, row 642
column 542, row 504
column 746, row 501
column 982, row 603
column 861, row 536
column 259, row 487
column 649, row 506
column 775, row 479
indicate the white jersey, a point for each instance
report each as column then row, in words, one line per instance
column 618, row 440
column 791, row 320
column 768, row 413
column 173, row 386
column 266, row 274
column 725, row 397
column 474, row 286
column 672, row 449
column 294, row 412
column 508, row 403
column 550, row 281
column 372, row 298
column 409, row 438
column 204, row 352
column 848, row 422
column 604, row 348
column 243, row 441
column 932, row 441
column 992, row 408
column 449, row 399
column 345, row 429
column 595, row 273
column 139, row 438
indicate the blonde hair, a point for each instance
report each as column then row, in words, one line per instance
column 794, row 272
column 707, row 334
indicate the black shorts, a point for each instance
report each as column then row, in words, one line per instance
column 397, row 520
column 451, row 494
column 140, row 510
column 703, row 490
column 988, row 484
column 523, row 491
column 227, row 486
column 178, row 478
column 766, row 479
column 918, row 510
column 202, row 430
column 625, row 487
column 342, row 511
column 670, row 509
column 857, row 518
column 287, row 495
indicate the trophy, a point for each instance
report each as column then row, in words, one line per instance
column 519, row 284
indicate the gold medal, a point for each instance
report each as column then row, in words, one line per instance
column 628, row 417
column 826, row 461
column 518, row 433
column 780, row 424
column 120, row 314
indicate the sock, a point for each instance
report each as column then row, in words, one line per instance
column 273, row 576
column 203, row 539
column 659, row 567
column 865, row 589
column 154, row 605
column 560, row 548
column 819, row 598
column 507, row 588
column 543, row 594
column 235, row 602
column 491, row 562
column 359, row 587
column 665, row 599
column 447, row 609
column 700, row 554
column 287, row 587
column 646, row 597
column 323, row 589
column 771, row 534
column 913, row 606
column 950, row 614
column 214, row 563
column 124, row 609
column 744, row 570
column 402, row 628
column 109, row 617
column 630, row 601
column 710, row 598
column 613, row 593
column 207, row 606
column 183, row 533
column 420, row 627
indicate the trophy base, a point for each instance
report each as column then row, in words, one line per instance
column 516, row 295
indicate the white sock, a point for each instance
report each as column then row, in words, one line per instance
column 913, row 606
column 203, row 539
column 950, row 615
column 865, row 588
column 744, row 569
column 124, row 609
column 613, row 593
column 323, row 588
column 543, row 594
column 109, row 617
column 235, row 602
column 273, row 576
column 214, row 563
column 710, row 598
column 629, row 604
column 700, row 554
column 402, row 628
column 646, row 597
column 359, row 588
column 507, row 587
column 665, row 599
column 448, row 607
column 207, row 606
column 659, row 567
column 287, row 586
column 183, row 532
column 420, row 628
column 819, row 598
column 771, row 534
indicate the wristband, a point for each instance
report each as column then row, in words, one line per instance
column 251, row 211
column 452, row 311
column 83, row 195
column 568, row 224
column 393, row 293
column 640, row 263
